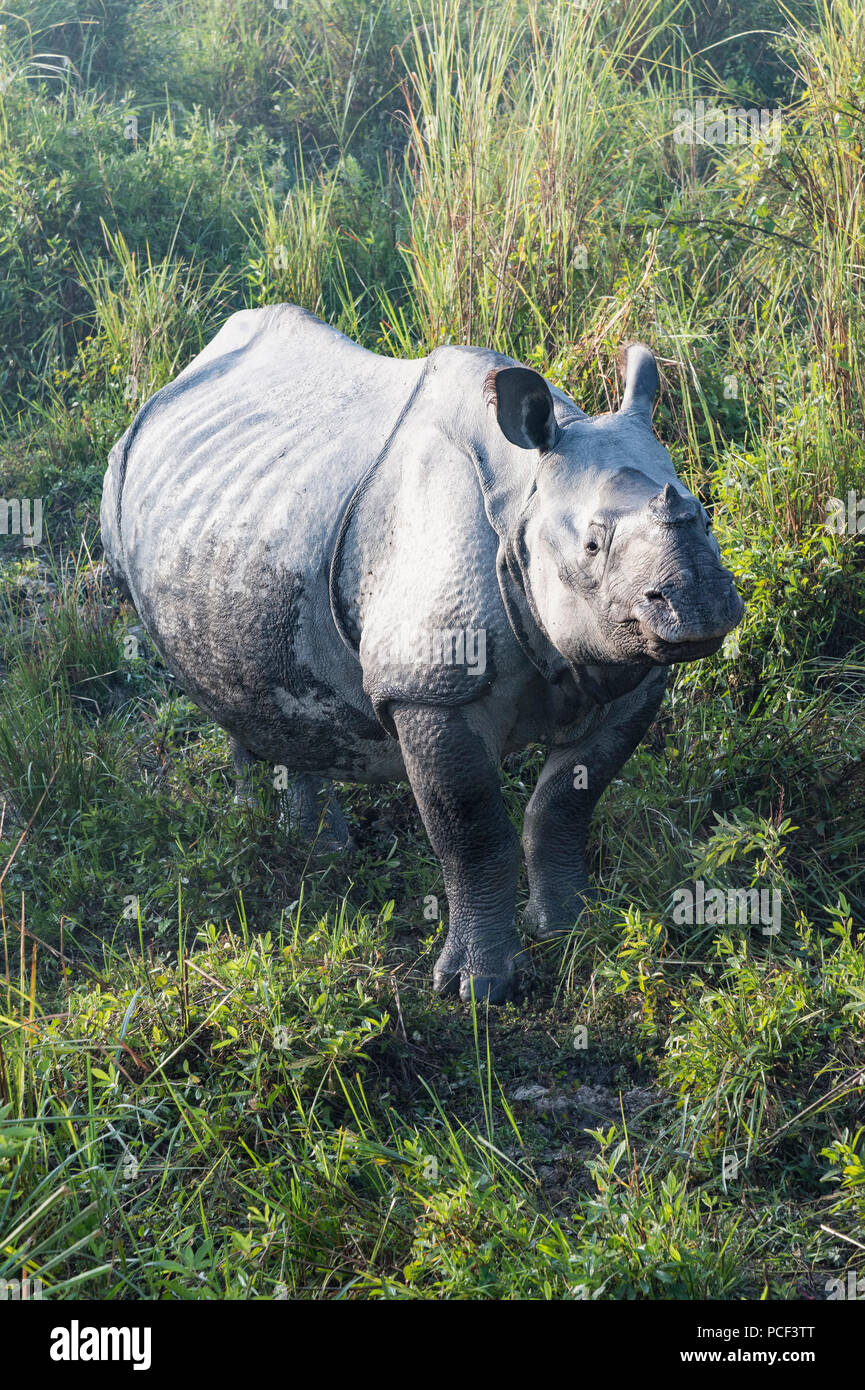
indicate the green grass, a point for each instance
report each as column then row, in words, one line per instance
column 222, row 1072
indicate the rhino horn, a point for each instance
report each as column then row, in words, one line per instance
column 640, row 376
column 670, row 508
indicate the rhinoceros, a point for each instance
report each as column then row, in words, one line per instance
column 370, row 569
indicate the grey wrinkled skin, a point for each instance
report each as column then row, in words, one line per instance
column 291, row 504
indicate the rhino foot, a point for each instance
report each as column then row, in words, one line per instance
column 466, row 969
column 546, row 919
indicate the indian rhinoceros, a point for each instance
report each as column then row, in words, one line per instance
column 370, row 569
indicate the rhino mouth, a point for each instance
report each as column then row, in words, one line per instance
column 672, row 628
column 668, row 653
column 641, row 639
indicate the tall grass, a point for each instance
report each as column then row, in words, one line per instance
column 529, row 148
column 151, row 317
column 506, row 175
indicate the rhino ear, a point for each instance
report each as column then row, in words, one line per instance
column 524, row 407
column 640, row 376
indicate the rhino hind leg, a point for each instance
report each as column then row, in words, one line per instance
column 308, row 806
column 244, row 788
column 310, row 809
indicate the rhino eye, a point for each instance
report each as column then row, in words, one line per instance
column 592, row 546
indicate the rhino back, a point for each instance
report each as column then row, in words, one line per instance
column 220, row 510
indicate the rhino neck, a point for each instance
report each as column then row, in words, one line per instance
column 520, row 609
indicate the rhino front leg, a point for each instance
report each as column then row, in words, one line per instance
column 558, row 815
column 456, row 785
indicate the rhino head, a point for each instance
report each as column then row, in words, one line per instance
column 616, row 558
